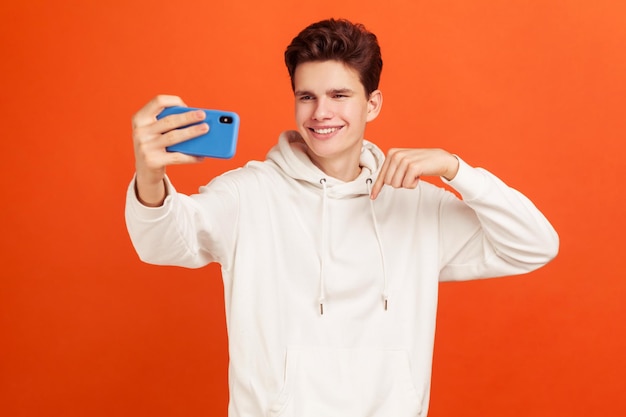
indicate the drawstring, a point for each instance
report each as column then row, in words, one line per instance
column 323, row 247
column 380, row 245
column 323, row 250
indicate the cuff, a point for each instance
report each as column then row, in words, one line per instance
column 149, row 213
column 469, row 181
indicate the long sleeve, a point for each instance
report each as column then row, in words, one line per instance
column 188, row 231
column 494, row 231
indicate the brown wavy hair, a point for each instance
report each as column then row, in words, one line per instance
column 338, row 40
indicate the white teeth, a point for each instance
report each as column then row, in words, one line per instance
column 326, row 131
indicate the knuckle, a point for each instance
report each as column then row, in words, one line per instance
column 201, row 128
column 396, row 155
column 144, row 144
column 144, row 153
column 138, row 135
column 180, row 135
column 169, row 123
column 135, row 121
column 159, row 99
column 404, row 163
column 171, row 137
column 140, row 119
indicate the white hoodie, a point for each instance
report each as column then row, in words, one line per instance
column 331, row 297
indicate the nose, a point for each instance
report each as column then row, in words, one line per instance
column 323, row 110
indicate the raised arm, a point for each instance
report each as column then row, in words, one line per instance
column 166, row 227
column 152, row 136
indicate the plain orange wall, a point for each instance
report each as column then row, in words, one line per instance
column 532, row 90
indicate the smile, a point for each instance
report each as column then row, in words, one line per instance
column 326, row 130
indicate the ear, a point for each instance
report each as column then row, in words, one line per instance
column 374, row 104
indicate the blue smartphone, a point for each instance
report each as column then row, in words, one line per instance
column 219, row 142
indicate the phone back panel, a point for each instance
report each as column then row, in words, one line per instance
column 219, row 142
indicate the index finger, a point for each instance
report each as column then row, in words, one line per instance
column 380, row 180
column 148, row 113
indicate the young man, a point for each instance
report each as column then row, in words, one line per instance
column 331, row 254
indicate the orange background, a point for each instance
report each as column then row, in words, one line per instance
column 532, row 90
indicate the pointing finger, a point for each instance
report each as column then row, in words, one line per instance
column 380, row 181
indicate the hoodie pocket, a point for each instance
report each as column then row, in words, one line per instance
column 347, row 383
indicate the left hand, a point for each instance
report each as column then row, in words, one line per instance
column 404, row 167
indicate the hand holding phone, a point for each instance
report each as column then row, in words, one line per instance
column 219, row 142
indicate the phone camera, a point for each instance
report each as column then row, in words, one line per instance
column 226, row 120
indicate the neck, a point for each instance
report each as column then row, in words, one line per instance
column 343, row 170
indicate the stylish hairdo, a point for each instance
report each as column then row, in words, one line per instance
column 339, row 40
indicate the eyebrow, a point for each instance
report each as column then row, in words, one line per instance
column 340, row 91
column 328, row 92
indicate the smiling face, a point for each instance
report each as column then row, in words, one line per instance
column 332, row 110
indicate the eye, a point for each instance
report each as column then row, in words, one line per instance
column 306, row 98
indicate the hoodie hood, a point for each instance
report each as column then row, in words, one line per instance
column 291, row 157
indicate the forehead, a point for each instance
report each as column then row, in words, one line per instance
column 326, row 75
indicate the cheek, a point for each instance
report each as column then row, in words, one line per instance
column 301, row 113
column 356, row 113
